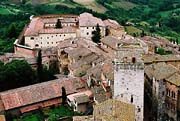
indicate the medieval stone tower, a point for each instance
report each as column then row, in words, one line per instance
column 129, row 76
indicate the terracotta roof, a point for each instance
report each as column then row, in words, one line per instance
column 68, row 29
column 174, row 79
column 38, row 92
column 125, row 41
column 88, row 93
column 160, row 58
column 160, row 70
column 2, row 118
column 87, row 19
column 112, row 23
column 56, row 16
column 63, row 20
column 81, row 99
column 114, row 110
column 34, row 27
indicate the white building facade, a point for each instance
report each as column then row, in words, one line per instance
column 129, row 75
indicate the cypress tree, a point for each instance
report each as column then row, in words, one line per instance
column 64, row 96
column 96, row 34
column 39, row 66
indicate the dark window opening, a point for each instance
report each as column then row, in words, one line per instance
column 37, row 45
column 131, row 99
column 32, row 38
column 134, row 60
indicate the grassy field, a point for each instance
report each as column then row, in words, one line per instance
column 130, row 30
column 92, row 4
column 5, row 11
column 8, row 10
column 125, row 5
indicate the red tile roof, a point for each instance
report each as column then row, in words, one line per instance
column 112, row 23
column 38, row 92
column 36, row 26
column 62, row 30
column 87, row 19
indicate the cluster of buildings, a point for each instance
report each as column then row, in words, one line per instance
column 110, row 78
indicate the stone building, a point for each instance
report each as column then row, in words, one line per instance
column 129, row 75
column 29, row 98
column 114, row 28
column 159, row 81
column 42, row 32
column 110, row 110
column 79, row 101
column 88, row 23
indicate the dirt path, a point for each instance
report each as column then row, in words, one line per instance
column 83, row 1
column 92, row 4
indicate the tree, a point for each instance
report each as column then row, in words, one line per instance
column 11, row 31
column 143, row 33
column 39, row 67
column 96, row 34
column 64, row 96
column 58, row 24
column 15, row 74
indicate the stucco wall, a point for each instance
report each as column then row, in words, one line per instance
column 128, row 84
column 47, row 40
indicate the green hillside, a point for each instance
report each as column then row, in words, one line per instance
column 159, row 17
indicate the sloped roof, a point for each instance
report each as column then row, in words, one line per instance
column 174, row 79
column 34, row 27
column 68, row 29
column 112, row 23
column 87, row 19
column 114, row 110
column 160, row 70
column 38, row 92
column 37, row 23
column 160, row 58
column 81, row 99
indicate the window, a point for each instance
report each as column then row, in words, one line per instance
column 87, row 33
column 87, row 27
column 131, row 99
column 32, row 38
column 36, row 45
column 139, row 109
column 163, row 93
column 47, row 37
column 121, row 95
column 64, row 35
column 47, row 42
column 52, row 42
column 134, row 60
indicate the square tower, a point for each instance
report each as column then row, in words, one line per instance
column 129, row 76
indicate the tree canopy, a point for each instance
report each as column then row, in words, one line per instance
column 15, row 74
